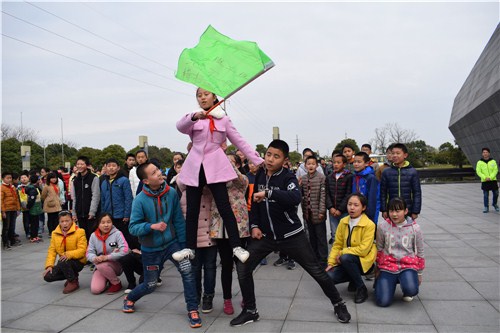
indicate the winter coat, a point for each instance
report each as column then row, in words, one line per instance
column 313, row 197
column 276, row 216
column 337, row 190
column 367, row 184
column 207, row 150
column 62, row 191
column 236, row 189
column 302, row 171
column 51, row 200
column 116, row 197
column 34, row 205
column 134, row 181
column 151, row 207
column 204, row 218
column 359, row 242
column 400, row 247
column 401, row 182
column 9, row 198
column 73, row 245
column 487, row 169
column 86, row 194
column 114, row 246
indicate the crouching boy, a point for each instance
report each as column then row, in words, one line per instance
column 70, row 244
column 158, row 222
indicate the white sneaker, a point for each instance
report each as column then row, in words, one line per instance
column 183, row 254
column 241, row 254
column 407, row 298
column 127, row 291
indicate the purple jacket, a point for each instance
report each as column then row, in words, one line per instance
column 207, row 150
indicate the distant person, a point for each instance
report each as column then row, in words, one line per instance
column 401, row 180
column 244, row 161
column 34, row 207
column 10, row 210
column 302, row 170
column 365, row 182
column 400, row 257
column 487, row 170
column 86, row 196
column 353, row 252
column 276, row 227
column 116, row 196
column 367, row 148
column 135, row 183
column 106, row 246
column 51, row 201
column 177, row 156
column 68, row 242
column 129, row 164
column 348, row 152
column 23, row 200
column 314, row 208
column 338, row 188
column 387, row 163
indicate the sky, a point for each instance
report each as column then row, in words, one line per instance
column 342, row 69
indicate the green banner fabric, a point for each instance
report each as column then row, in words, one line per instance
column 222, row 65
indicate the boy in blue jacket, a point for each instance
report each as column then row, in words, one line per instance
column 276, row 227
column 116, row 196
column 158, row 222
column 365, row 182
column 401, row 180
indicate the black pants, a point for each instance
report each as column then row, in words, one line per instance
column 193, row 201
column 34, row 223
column 122, row 226
column 227, row 262
column 52, row 221
column 317, row 238
column 86, row 224
column 64, row 270
column 298, row 248
column 26, row 222
column 7, row 230
column 132, row 263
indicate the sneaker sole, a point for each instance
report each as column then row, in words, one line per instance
column 195, row 325
column 207, row 311
column 128, row 311
column 343, row 321
column 247, row 322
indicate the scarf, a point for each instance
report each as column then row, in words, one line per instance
column 158, row 195
column 65, row 234
column 11, row 188
column 102, row 239
column 55, row 187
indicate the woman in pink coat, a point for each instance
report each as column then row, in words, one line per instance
column 207, row 164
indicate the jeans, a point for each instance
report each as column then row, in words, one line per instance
column 317, row 238
column 349, row 270
column 298, row 248
column 486, row 195
column 64, row 270
column 221, row 198
column 152, row 263
column 334, row 223
column 206, row 259
column 385, row 286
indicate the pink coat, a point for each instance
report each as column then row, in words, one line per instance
column 207, row 150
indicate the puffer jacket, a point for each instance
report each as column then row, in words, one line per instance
column 74, row 245
column 401, row 182
column 366, row 183
column 313, row 197
column 9, row 198
column 113, row 245
column 400, row 247
column 116, row 197
column 204, row 219
column 337, row 190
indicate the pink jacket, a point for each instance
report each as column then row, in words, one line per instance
column 207, row 150
column 204, row 219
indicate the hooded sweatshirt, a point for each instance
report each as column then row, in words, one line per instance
column 112, row 244
column 367, row 184
column 400, row 246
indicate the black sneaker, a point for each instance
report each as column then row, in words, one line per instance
column 207, row 305
column 341, row 312
column 351, row 287
column 361, row 295
column 291, row 264
column 280, row 262
column 245, row 317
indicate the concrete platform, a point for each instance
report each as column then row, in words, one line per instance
column 459, row 293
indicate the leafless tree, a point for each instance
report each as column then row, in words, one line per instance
column 391, row 133
column 18, row 133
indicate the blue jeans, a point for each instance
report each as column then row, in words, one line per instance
column 385, row 286
column 206, row 258
column 349, row 270
column 486, row 195
column 334, row 223
column 152, row 263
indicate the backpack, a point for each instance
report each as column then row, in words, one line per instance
column 23, row 197
column 37, row 208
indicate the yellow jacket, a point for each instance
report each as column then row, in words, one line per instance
column 362, row 242
column 74, row 247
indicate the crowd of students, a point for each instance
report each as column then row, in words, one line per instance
column 239, row 207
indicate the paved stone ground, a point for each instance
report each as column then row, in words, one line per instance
column 460, row 291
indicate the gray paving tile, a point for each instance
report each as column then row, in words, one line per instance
column 466, row 329
column 448, row 291
column 313, row 326
column 436, row 274
column 480, row 273
column 489, row 290
column 154, row 302
column 110, row 320
column 44, row 294
column 386, row 328
column 15, row 310
column 470, row 262
column 275, row 308
column 51, row 318
column 465, row 313
column 221, row 325
column 162, row 322
column 85, row 298
column 316, row 309
column 396, row 314
column 282, row 288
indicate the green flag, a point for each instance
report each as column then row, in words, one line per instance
column 222, row 65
